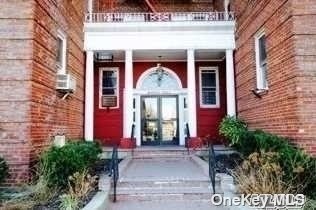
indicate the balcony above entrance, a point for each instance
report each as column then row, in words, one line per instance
column 159, row 17
column 168, row 25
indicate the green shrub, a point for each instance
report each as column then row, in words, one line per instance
column 57, row 164
column 3, row 170
column 233, row 129
column 297, row 166
column 269, row 142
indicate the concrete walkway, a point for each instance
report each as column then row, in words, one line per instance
column 165, row 205
column 164, row 183
column 163, row 169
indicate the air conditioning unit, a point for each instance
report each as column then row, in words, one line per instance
column 66, row 83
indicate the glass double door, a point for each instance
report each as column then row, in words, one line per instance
column 159, row 120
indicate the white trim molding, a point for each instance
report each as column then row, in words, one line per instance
column 262, row 83
column 160, row 35
column 101, row 70
column 217, row 87
column 148, row 72
column 62, row 65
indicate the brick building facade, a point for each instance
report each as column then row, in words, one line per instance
column 288, row 108
column 31, row 110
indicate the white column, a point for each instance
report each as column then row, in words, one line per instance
column 230, row 84
column 89, row 98
column 191, row 92
column 138, row 121
column 181, row 121
column 128, row 94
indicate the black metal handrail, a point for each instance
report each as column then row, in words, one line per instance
column 212, row 165
column 133, row 131
column 114, row 170
column 188, row 136
column 132, row 137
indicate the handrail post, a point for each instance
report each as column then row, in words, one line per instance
column 212, row 165
column 132, row 138
column 187, row 137
column 114, row 170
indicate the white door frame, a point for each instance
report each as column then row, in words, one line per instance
column 139, row 92
column 181, row 96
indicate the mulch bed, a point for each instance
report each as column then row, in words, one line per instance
column 226, row 160
column 225, row 163
column 102, row 166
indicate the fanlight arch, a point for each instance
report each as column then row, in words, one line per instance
column 151, row 80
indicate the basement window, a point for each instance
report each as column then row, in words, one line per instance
column 109, row 88
column 209, row 87
column 261, row 62
column 61, row 52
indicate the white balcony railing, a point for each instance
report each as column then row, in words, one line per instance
column 158, row 17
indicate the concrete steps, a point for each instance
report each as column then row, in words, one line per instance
column 166, row 177
column 186, row 190
column 161, row 153
column 158, row 184
column 165, row 205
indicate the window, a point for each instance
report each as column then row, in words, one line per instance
column 61, row 52
column 109, row 87
column 261, row 62
column 209, row 87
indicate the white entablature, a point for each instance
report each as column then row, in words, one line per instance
column 159, row 35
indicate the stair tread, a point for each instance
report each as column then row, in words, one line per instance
column 165, row 191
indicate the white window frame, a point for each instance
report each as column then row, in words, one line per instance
column 259, row 75
column 61, row 67
column 101, row 70
column 211, row 68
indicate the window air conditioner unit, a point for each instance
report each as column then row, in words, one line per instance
column 66, row 83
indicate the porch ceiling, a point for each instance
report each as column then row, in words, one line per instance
column 168, row 55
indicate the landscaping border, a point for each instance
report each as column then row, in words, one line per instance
column 102, row 199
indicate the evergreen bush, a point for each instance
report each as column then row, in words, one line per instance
column 59, row 163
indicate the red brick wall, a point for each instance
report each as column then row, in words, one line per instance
column 289, row 108
column 16, row 32
column 304, row 29
column 50, row 114
column 31, row 110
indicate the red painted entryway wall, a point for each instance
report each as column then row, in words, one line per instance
column 108, row 123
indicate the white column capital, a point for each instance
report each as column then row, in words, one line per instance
column 190, row 52
column 230, row 83
column 89, row 97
